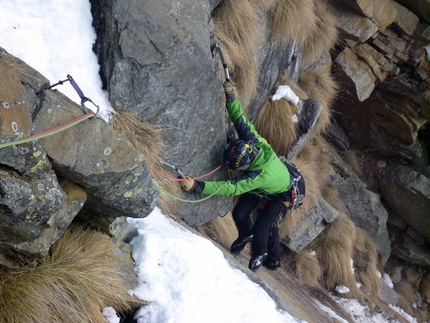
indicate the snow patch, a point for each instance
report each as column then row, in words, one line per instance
column 285, row 92
column 342, row 289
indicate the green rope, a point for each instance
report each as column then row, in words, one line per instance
column 47, row 133
column 183, row 200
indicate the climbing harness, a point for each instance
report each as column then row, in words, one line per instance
column 297, row 194
column 78, row 90
column 217, row 47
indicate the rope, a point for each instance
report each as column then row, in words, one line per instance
column 49, row 132
column 183, row 200
column 182, row 179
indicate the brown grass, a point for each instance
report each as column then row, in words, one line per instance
column 72, row 284
column 222, row 230
column 274, row 122
column 351, row 158
column 147, row 139
column 424, row 288
column 324, row 35
column 262, row 5
column 239, row 26
column 295, row 87
column 366, row 261
column 292, row 20
column 334, row 247
column 308, row 269
column 320, row 85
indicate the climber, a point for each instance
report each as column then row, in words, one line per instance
column 263, row 184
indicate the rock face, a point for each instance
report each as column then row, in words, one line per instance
column 408, row 193
column 156, row 59
column 45, row 183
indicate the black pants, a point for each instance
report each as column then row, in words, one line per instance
column 265, row 234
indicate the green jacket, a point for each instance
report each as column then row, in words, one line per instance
column 267, row 174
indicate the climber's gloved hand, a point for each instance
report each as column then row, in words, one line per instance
column 191, row 186
column 229, row 91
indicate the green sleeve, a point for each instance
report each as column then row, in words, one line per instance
column 228, row 188
column 245, row 129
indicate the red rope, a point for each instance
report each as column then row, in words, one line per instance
column 182, row 179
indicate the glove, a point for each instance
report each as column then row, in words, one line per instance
column 191, row 186
column 229, row 91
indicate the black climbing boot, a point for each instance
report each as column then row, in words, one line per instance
column 272, row 265
column 238, row 245
column 256, row 261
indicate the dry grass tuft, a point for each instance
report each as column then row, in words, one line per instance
column 147, row 139
column 324, row 36
column 334, row 248
column 262, row 5
column 320, row 85
column 275, row 123
column 351, row 158
column 308, row 269
column 72, row 284
column 239, row 26
column 366, row 261
column 331, row 196
column 222, row 230
column 424, row 288
column 292, row 20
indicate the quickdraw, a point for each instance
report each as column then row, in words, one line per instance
column 78, row 90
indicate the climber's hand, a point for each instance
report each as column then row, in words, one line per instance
column 191, row 186
column 229, row 91
column 187, row 184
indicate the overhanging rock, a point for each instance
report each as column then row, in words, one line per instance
column 311, row 225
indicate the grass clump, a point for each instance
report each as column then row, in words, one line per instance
column 72, row 284
column 239, row 25
column 147, row 139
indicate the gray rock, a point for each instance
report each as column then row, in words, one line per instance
column 363, row 206
column 355, row 26
column 405, row 248
column 357, row 72
column 387, row 294
column 158, row 62
column 382, row 12
column 420, row 7
column 96, row 157
column 408, row 193
column 310, row 225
